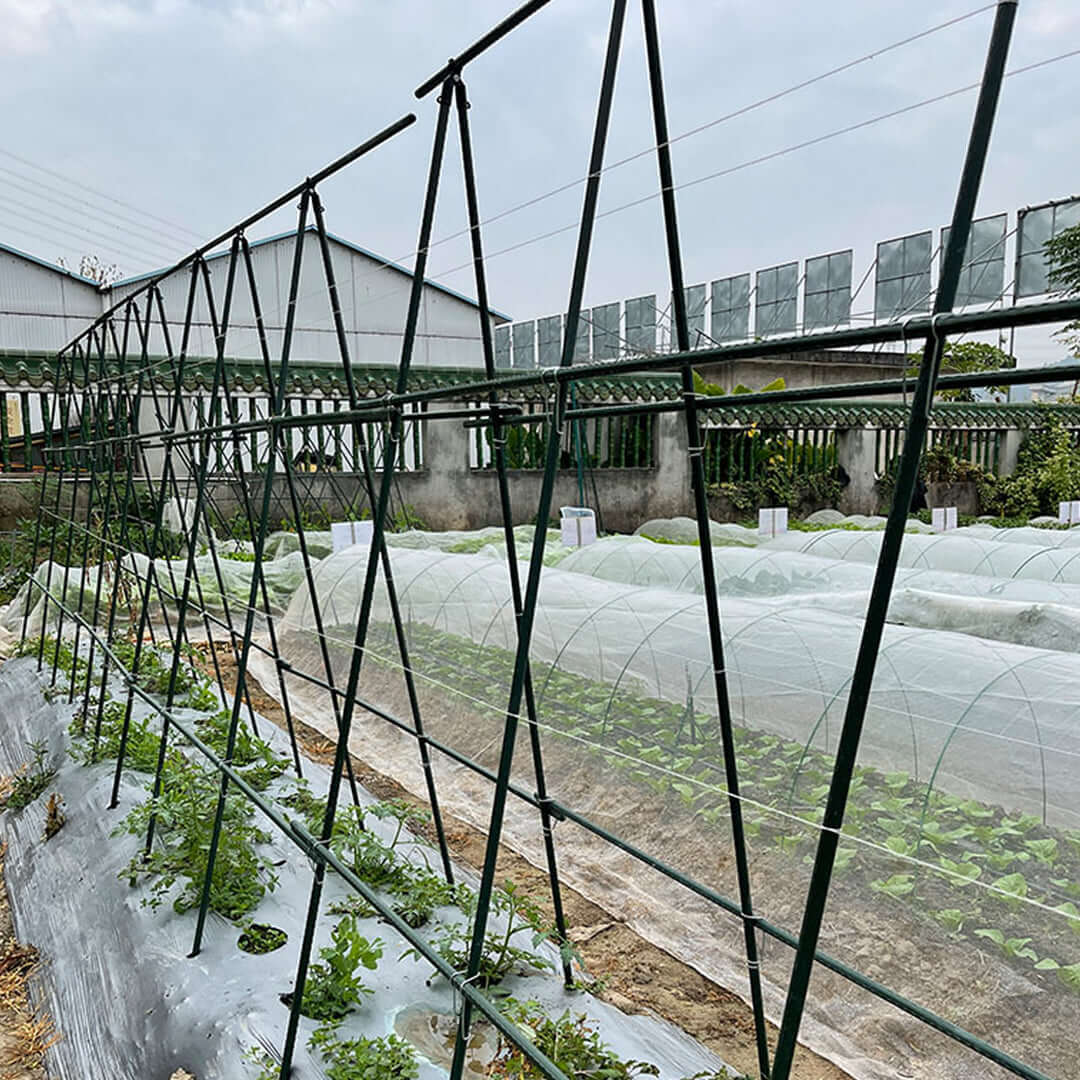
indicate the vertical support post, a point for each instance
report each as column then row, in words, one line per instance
column 240, row 692
column 388, row 576
column 547, row 488
column 694, row 436
column 368, row 595
column 863, row 676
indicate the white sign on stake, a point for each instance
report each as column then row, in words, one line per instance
column 943, row 518
column 578, row 525
column 772, row 521
column 341, row 534
column 344, row 534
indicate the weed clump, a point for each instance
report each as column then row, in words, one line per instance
column 31, row 779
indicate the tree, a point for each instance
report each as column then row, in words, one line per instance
column 1063, row 258
column 966, row 357
column 90, row 266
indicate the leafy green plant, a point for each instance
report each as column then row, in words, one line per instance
column 1014, row 886
column 259, row 938
column 141, row 751
column 256, row 759
column 384, row 1058
column 1011, row 947
column 952, row 919
column 308, row 806
column 181, row 854
column 202, row 697
column 239, row 556
column 897, row 886
column 417, row 892
column 369, row 855
column 571, row 1042
column 353, row 905
column 1047, row 472
column 501, row 954
column 966, row 357
column 333, row 989
column 31, row 779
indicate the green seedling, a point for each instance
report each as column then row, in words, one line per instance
column 333, row 989
column 1011, row 947
column 383, row 1058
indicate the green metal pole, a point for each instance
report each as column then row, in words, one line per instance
column 498, row 439
column 260, row 542
column 368, row 595
column 862, row 679
column 532, row 587
column 701, row 507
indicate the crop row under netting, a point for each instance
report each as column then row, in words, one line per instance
column 718, row 771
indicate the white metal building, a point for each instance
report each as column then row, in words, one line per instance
column 42, row 307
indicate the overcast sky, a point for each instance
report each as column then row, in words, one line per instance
column 200, row 112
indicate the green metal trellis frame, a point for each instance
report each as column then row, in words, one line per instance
column 108, row 410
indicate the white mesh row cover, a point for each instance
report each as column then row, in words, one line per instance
column 774, row 568
column 1023, row 534
column 1025, row 611
column 963, row 553
column 626, row 705
column 980, row 718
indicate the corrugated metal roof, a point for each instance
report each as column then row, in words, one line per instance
column 49, row 266
column 349, row 245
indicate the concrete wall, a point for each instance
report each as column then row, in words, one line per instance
column 821, row 368
column 448, row 494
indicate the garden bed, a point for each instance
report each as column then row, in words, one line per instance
column 982, row 957
column 135, row 1006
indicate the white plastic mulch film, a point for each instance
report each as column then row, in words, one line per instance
column 958, row 877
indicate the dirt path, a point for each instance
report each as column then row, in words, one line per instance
column 638, row 976
column 25, row 1033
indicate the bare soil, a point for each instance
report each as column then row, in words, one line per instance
column 637, row 977
column 25, row 1031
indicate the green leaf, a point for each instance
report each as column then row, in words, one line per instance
column 1046, row 851
column 952, row 919
column 1047, row 963
column 897, row 886
column 1072, row 913
column 777, row 384
column 961, row 872
column 899, row 846
column 1014, row 885
column 1070, row 976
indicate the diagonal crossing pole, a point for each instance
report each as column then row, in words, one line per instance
column 862, row 680
column 701, row 508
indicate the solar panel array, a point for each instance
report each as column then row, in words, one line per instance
column 734, row 309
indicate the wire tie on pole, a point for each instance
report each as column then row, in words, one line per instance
column 458, row 982
column 547, row 804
